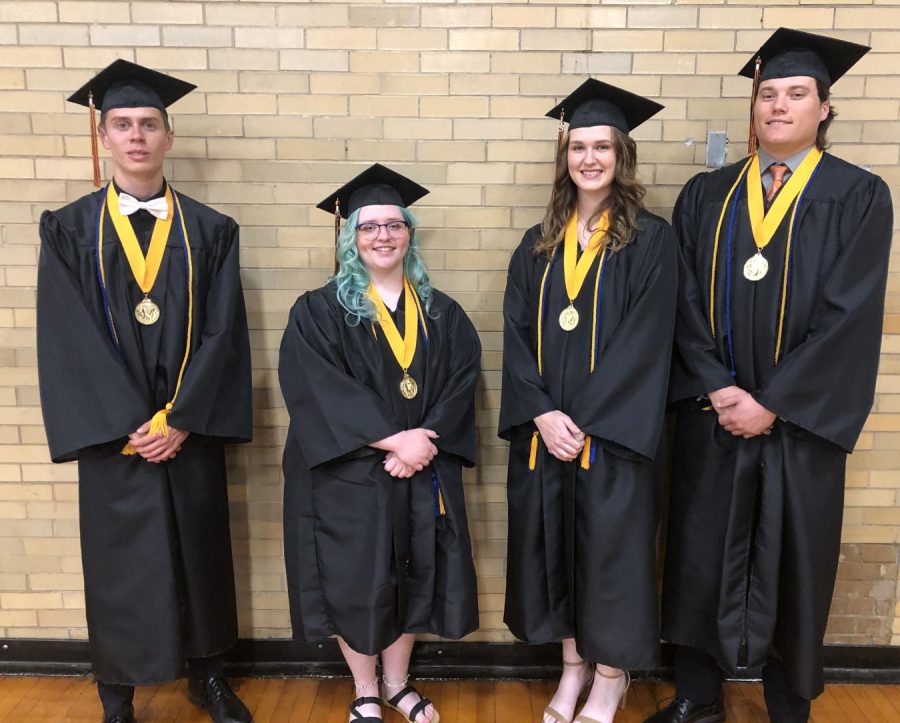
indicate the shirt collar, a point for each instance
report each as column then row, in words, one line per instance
column 159, row 194
column 766, row 160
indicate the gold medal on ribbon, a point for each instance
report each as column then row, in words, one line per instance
column 576, row 269
column 568, row 318
column 764, row 223
column 146, row 312
column 756, row 267
column 404, row 349
column 145, row 270
column 408, row 387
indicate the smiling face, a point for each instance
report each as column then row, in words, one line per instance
column 382, row 238
column 138, row 141
column 787, row 114
column 591, row 158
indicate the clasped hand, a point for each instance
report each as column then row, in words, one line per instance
column 408, row 452
column 561, row 436
column 155, row 447
column 740, row 414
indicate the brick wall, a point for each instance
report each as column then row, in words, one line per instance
column 294, row 98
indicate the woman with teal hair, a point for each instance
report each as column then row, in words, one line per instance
column 378, row 371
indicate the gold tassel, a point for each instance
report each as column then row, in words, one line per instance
column 751, row 143
column 532, row 456
column 560, row 134
column 128, row 450
column 337, row 230
column 95, row 155
column 158, row 425
column 586, row 453
column 441, row 504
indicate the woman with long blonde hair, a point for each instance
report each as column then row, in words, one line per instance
column 589, row 313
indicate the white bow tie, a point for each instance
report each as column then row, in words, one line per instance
column 157, row 206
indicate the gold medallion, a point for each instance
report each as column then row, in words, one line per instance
column 756, row 267
column 146, row 312
column 408, row 387
column 568, row 318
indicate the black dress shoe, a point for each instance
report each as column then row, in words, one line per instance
column 681, row 710
column 219, row 699
column 126, row 717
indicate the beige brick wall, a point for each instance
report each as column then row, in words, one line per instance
column 297, row 96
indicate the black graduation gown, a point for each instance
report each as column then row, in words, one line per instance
column 581, row 552
column 368, row 557
column 156, row 547
column 755, row 525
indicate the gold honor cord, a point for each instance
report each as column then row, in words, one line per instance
column 576, row 269
column 715, row 253
column 764, row 224
column 404, row 349
column 145, row 270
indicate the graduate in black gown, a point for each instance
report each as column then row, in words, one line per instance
column 144, row 368
column 378, row 371
column 588, row 318
column 784, row 265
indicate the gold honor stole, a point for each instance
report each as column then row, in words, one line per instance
column 574, row 274
column 145, row 271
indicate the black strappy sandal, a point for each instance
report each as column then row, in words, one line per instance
column 416, row 709
column 359, row 717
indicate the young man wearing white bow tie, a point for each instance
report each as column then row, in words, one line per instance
column 144, row 367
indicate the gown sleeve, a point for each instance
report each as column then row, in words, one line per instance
column 88, row 396
column 523, row 396
column 332, row 413
column 696, row 367
column 624, row 400
column 452, row 413
column 826, row 384
column 215, row 395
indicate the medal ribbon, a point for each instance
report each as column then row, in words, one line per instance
column 764, row 224
column 576, row 271
column 404, row 349
column 145, row 270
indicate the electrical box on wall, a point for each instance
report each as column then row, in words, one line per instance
column 716, row 143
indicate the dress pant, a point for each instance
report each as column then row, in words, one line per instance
column 699, row 679
column 117, row 699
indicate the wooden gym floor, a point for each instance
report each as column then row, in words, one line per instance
column 304, row 700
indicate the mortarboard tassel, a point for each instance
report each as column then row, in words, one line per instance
column 560, row 134
column 751, row 143
column 94, row 152
column 337, row 230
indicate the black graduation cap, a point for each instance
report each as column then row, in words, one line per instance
column 595, row 103
column 788, row 53
column 376, row 186
column 123, row 84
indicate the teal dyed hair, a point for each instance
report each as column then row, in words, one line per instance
column 352, row 277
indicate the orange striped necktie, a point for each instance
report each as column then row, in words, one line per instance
column 777, row 170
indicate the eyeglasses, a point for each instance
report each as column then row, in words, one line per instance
column 371, row 230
